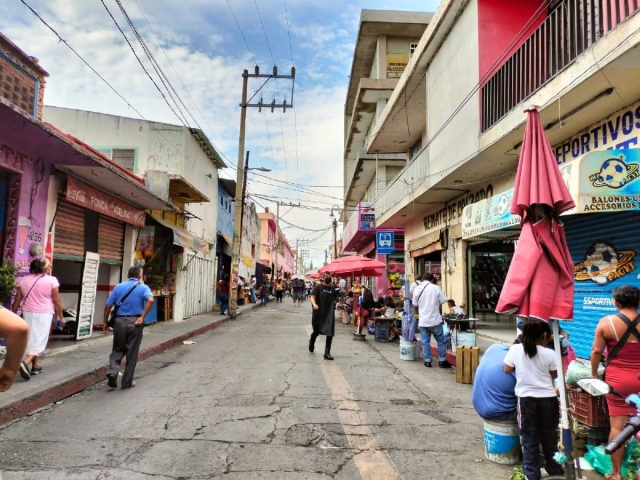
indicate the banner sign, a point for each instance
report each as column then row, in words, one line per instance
column 609, row 181
column 90, row 197
column 489, row 215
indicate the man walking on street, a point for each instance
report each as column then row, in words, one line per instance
column 428, row 297
column 252, row 284
column 323, row 320
column 132, row 301
column 297, row 286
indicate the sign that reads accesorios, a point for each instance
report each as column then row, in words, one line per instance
column 90, row 197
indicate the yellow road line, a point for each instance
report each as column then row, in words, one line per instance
column 373, row 463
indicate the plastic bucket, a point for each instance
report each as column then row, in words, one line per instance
column 465, row 339
column 502, row 442
column 407, row 350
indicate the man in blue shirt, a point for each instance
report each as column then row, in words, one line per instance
column 133, row 299
column 493, row 395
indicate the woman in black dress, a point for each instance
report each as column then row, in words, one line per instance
column 323, row 301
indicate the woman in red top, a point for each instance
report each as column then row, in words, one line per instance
column 223, row 294
column 620, row 334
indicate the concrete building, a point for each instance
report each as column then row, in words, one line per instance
column 384, row 46
column 181, row 166
column 250, row 244
column 274, row 247
column 458, row 113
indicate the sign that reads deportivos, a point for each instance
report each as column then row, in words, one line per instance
column 90, row 197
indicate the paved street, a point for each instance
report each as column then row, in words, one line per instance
column 249, row 401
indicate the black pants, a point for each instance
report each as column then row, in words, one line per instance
column 126, row 341
column 538, row 419
column 327, row 345
column 279, row 296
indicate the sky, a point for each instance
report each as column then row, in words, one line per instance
column 203, row 46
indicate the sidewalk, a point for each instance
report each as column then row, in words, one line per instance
column 70, row 369
column 497, row 332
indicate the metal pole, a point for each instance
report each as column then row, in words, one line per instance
column 377, row 184
column 237, row 213
column 335, row 238
column 277, row 235
column 566, row 440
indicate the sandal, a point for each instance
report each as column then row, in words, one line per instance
column 609, row 476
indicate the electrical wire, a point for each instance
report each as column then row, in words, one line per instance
column 265, row 32
column 255, row 62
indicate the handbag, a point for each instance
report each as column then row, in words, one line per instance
column 27, row 295
column 114, row 310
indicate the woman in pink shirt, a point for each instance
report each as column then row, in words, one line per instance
column 40, row 307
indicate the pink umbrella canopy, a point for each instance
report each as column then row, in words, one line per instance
column 312, row 274
column 354, row 265
column 539, row 283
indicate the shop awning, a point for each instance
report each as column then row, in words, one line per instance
column 429, row 243
column 184, row 238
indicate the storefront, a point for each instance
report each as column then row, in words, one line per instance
column 601, row 231
column 426, row 253
column 86, row 219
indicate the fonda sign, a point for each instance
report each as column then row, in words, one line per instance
column 90, row 197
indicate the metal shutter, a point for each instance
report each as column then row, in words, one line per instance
column 125, row 157
column 620, row 265
column 110, row 239
column 69, row 232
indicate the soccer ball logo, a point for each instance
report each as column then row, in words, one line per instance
column 614, row 173
column 503, row 205
column 603, row 263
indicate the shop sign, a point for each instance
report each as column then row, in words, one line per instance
column 396, row 63
column 619, row 131
column 609, row 181
column 385, row 242
column 453, row 210
column 247, row 261
column 367, row 217
column 13, row 159
column 90, row 197
column 489, row 215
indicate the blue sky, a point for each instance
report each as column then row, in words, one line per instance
column 205, row 46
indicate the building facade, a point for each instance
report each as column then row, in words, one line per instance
column 275, row 251
column 460, row 104
column 61, row 199
column 385, row 43
column 180, row 165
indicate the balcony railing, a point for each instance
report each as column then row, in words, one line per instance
column 570, row 29
column 403, row 185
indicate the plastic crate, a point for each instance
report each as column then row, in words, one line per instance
column 589, row 410
column 382, row 331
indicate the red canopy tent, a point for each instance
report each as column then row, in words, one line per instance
column 312, row 274
column 539, row 283
column 354, row 266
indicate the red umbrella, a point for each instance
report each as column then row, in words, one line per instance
column 312, row 274
column 539, row 283
column 353, row 265
column 540, row 280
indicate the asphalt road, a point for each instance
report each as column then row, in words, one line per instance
column 248, row 401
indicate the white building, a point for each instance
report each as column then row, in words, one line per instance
column 180, row 165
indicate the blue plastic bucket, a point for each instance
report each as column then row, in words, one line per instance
column 502, row 442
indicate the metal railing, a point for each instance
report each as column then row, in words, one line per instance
column 570, row 29
column 403, row 185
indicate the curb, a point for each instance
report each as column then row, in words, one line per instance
column 71, row 386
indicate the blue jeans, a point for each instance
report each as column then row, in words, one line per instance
column 438, row 333
column 224, row 302
column 253, row 295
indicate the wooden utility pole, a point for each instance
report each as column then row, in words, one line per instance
column 240, row 177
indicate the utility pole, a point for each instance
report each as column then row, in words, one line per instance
column 335, row 238
column 240, row 177
column 297, row 269
column 244, row 194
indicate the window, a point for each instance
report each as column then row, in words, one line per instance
column 221, row 201
column 253, row 249
column 412, row 48
column 125, row 157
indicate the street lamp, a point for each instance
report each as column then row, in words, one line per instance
column 335, row 228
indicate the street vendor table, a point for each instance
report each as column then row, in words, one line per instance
column 392, row 321
column 454, row 324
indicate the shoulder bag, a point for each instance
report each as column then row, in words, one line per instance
column 27, row 295
column 631, row 330
column 116, row 307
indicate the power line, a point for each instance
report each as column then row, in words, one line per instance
column 143, row 67
column 265, row 32
column 211, row 130
column 255, row 62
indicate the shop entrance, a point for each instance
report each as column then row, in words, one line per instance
column 430, row 263
column 488, row 265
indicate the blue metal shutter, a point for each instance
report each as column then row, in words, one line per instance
column 605, row 245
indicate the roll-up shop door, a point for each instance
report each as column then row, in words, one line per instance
column 110, row 240
column 604, row 248
column 69, row 232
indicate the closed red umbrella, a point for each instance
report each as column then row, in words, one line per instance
column 540, row 280
column 539, row 283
